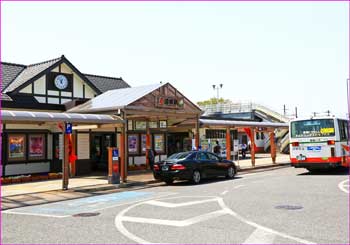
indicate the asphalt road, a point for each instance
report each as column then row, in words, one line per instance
column 282, row 206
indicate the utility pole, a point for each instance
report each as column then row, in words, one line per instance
column 296, row 112
column 284, row 110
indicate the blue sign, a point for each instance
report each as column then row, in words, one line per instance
column 314, row 148
column 115, row 154
column 68, row 128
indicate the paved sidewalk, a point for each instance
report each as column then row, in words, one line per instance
column 34, row 193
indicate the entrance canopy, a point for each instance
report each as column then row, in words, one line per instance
column 35, row 116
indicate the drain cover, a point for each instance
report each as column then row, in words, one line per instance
column 86, row 214
column 289, row 207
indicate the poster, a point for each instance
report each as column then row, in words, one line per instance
column 133, row 143
column 159, row 143
column 36, row 146
column 143, row 143
column 153, row 124
column 17, row 147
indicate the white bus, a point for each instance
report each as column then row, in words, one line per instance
column 319, row 143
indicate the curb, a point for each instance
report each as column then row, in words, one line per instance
column 263, row 167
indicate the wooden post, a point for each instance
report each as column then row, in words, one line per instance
column 148, row 144
column 228, row 144
column 65, row 162
column 72, row 164
column 273, row 147
column 109, row 149
column 122, row 155
column 197, row 133
column 252, row 147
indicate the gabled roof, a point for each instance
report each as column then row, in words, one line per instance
column 15, row 76
column 28, row 73
column 116, row 99
column 104, row 83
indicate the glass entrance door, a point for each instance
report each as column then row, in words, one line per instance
column 99, row 149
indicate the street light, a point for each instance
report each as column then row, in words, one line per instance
column 217, row 88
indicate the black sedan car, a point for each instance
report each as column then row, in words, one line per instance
column 193, row 166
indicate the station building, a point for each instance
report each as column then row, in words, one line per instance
column 106, row 112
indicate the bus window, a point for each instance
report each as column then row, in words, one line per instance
column 312, row 128
column 343, row 130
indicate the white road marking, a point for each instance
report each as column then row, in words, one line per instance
column 237, row 216
column 13, row 211
column 177, row 205
column 176, row 223
column 224, row 193
column 260, row 237
column 262, row 231
column 344, row 186
column 238, row 186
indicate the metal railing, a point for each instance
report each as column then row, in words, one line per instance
column 240, row 107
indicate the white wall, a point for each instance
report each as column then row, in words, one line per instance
column 15, row 169
column 83, row 146
column 40, row 85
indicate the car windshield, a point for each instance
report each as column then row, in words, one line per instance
column 177, row 156
column 312, row 128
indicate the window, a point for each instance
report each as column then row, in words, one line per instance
column 262, row 136
column 36, row 146
column 130, row 126
column 153, row 124
column 140, row 125
column 343, row 129
column 312, row 128
column 16, row 147
column 213, row 157
column 162, row 124
column 202, row 156
column 257, row 135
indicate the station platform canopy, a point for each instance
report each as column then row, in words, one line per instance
column 12, row 116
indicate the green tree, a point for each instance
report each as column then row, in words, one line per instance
column 213, row 101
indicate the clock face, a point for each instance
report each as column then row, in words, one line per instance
column 61, row 82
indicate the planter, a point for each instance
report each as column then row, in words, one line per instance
column 26, row 179
column 53, row 176
column 16, row 180
column 5, row 181
column 36, row 177
column 44, row 177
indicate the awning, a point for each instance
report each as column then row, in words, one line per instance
column 227, row 123
column 35, row 116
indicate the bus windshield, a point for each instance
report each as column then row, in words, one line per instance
column 312, row 128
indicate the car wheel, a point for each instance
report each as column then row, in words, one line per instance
column 230, row 173
column 169, row 181
column 196, row 177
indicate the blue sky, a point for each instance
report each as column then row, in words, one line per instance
column 273, row 53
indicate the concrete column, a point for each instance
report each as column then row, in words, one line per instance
column 252, row 147
column 273, row 147
column 228, row 144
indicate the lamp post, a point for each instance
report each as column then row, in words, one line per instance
column 217, row 88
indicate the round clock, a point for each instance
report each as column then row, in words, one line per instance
column 61, row 82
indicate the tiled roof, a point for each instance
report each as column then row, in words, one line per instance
column 28, row 73
column 9, row 73
column 106, row 83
